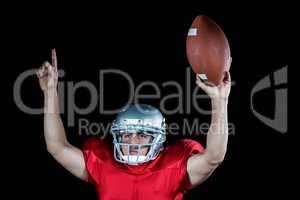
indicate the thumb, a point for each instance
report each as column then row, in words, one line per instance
column 201, row 84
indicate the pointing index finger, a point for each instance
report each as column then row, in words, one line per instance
column 54, row 59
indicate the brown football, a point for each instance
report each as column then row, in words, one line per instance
column 208, row 50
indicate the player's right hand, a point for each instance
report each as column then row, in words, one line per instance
column 48, row 75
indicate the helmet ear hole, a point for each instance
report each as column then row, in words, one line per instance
column 120, row 138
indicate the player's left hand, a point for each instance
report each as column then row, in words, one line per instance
column 221, row 91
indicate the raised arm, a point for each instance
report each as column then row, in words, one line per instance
column 69, row 156
column 201, row 166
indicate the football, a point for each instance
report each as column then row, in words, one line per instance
column 208, row 50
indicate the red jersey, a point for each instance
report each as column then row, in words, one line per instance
column 164, row 178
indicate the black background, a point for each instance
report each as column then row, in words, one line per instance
column 147, row 42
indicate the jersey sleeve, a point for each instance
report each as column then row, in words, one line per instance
column 94, row 150
column 189, row 148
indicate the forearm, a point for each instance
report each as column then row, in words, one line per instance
column 53, row 127
column 217, row 137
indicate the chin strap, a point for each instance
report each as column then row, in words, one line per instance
column 133, row 159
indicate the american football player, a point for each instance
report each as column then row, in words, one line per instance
column 137, row 166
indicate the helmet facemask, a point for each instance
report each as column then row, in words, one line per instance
column 134, row 153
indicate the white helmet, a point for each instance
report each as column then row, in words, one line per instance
column 139, row 118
